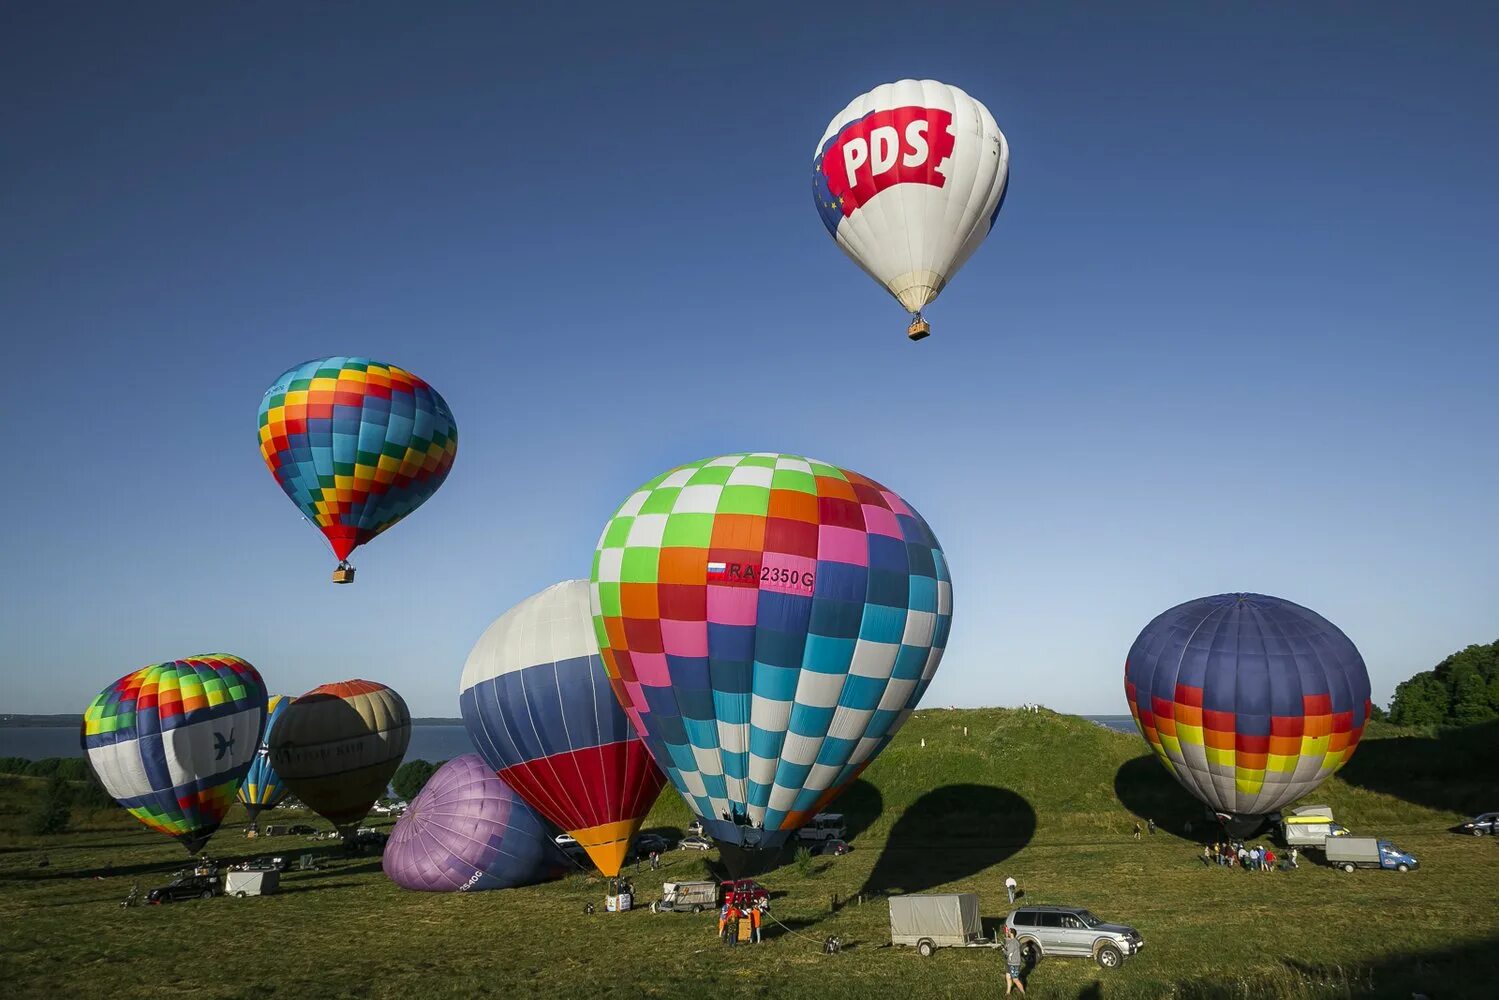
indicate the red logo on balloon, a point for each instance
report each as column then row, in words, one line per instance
column 886, row 148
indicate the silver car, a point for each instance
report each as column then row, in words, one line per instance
column 1071, row 931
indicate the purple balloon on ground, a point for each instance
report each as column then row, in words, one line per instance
column 467, row 830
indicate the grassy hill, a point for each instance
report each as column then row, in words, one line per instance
column 1049, row 799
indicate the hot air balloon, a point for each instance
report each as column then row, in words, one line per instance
column 337, row 746
column 909, row 179
column 539, row 709
column 769, row 622
column 1249, row 701
column 263, row 787
column 171, row 742
column 468, row 831
column 357, row 445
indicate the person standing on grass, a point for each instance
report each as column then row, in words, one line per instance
column 1150, row 825
column 1293, row 858
column 1010, row 888
column 1207, row 856
column 1013, row 962
column 1137, row 829
column 1269, row 860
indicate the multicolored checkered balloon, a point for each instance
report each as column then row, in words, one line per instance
column 356, row 444
column 1250, row 701
column 171, row 742
column 768, row 622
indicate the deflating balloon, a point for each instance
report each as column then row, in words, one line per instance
column 172, row 741
column 909, row 179
column 356, row 444
column 466, row 831
column 1249, row 701
column 538, row 706
column 263, row 787
column 769, row 622
column 338, row 745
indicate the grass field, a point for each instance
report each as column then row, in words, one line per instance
column 1048, row 799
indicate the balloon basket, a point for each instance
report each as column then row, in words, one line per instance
column 343, row 574
column 919, row 329
column 619, row 903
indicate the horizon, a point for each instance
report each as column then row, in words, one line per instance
column 1232, row 330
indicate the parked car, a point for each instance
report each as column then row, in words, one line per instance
column 695, row 844
column 565, row 840
column 648, row 842
column 837, row 848
column 1481, row 824
column 274, row 864
column 300, row 830
column 743, row 891
column 185, row 887
column 1045, row 931
column 695, row 828
column 928, row 921
column 686, row 897
column 824, row 826
column 1349, row 853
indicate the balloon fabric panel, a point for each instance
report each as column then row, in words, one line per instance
column 769, row 622
column 356, row 444
column 171, row 742
column 1250, row 701
column 263, row 787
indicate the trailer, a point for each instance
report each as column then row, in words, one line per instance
column 244, row 884
column 686, row 897
column 929, row 921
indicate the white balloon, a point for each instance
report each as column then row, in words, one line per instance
column 909, row 179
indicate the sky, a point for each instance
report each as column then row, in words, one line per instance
column 1233, row 330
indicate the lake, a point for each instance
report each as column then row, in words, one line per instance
column 434, row 743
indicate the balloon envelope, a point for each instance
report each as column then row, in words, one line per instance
column 263, row 787
column 171, row 742
column 467, row 831
column 909, row 179
column 338, row 745
column 356, row 444
column 538, row 706
column 770, row 622
column 1249, row 701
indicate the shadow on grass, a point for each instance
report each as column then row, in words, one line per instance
column 1145, row 788
column 1452, row 771
column 860, row 805
column 1465, row 970
column 949, row 834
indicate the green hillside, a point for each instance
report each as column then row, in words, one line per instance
column 1049, row 799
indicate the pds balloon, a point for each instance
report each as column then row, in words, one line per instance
column 357, row 445
column 337, row 747
column 769, row 623
column 909, row 179
column 539, row 709
column 467, row 831
column 171, row 742
column 1249, row 701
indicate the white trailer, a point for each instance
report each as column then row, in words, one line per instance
column 243, row 884
column 930, row 921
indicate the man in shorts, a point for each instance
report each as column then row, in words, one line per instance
column 1013, row 962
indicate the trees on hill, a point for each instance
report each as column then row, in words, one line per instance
column 1462, row 690
column 411, row 777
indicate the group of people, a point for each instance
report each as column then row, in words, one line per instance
column 734, row 910
column 1230, row 854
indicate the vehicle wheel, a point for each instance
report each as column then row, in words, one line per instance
column 240, row 894
column 1109, row 956
column 1348, row 868
column 925, row 948
column 1402, row 868
column 1477, row 832
column 697, row 907
column 1030, row 953
column 164, row 900
column 206, row 894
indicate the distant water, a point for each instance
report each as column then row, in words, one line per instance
column 1119, row 723
column 434, row 743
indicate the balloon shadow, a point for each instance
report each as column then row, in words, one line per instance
column 859, row 805
column 949, row 834
column 1145, row 788
column 1452, row 771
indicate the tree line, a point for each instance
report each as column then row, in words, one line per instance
column 1462, row 690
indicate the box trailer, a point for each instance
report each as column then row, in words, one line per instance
column 687, row 897
column 251, row 883
column 1349, row 853
column 929, row 921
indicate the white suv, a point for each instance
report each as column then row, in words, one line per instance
column 1066, row 930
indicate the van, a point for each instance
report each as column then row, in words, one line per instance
column 1309, row 826
column 824, row 826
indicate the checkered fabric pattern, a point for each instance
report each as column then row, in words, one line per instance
column 1250, row 701
column 263, row 787
column 356, row 444
column 171, row 742
column 769, row 622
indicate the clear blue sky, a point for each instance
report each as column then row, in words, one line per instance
column 1235, row 328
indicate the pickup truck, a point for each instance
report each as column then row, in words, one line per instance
column 1349, row 853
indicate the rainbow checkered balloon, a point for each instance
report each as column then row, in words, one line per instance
column 356, row 444
column 1249, row 701
column 171, row 742
column 768, row 622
